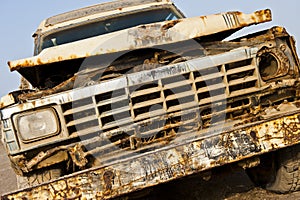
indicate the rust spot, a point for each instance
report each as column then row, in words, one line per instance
column 39, row 61
column 279, row 30
column 120, row 9
column 170, row 24
column 253, row 135
column 111, row 51
column 108, row 177
column 273, row 146
column 203, row 18
column 268, row 136
column 261, row 14
column 26, row 63
column 73, row 56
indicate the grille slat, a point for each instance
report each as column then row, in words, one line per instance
column 79, row 109
column 181, row 107
column 246, row 91
column 150, row 114
column 180, row 95
column 242, row 80
column 147, row 103
column 112, row 100
column 217, row 75
column 178, row 84
column 81, row 120
column 85, row 132
column 241, row 69
column 117, row 124
column 145, row 91
column 211, row 87
column 214, row 99
column 115, row 111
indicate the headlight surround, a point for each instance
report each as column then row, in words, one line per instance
column 37, row 124
column 272, row 63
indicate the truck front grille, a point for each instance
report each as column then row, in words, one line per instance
column 141, row 108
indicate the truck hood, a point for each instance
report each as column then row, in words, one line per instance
column 219, row 26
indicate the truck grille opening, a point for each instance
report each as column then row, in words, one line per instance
column 150, row 113
column 268, row 65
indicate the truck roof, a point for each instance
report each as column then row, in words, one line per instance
column 98, row 8
column 102, row 10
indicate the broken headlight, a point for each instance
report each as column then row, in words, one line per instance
column 37, row 124
column 273, row 63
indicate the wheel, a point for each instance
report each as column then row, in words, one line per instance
column 36, row 178
column 278, row 171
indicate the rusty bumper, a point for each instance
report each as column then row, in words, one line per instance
column 146, row 170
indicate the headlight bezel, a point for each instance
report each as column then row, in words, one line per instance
column 24, row 139
column 278, row 57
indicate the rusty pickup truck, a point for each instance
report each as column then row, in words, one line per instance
column 126, row 95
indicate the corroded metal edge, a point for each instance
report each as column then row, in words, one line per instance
column 169, row 164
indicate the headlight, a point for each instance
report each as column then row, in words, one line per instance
column 272, row 63
column 37, row 124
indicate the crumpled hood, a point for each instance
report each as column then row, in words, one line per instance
column 220, row 26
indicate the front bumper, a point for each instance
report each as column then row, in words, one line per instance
column 146, row 170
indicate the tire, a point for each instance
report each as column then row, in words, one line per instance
column 37, row 178
column 279, row 171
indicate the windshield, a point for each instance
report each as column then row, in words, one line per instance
column 105, row 26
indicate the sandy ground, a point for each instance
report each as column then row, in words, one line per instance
column 7, row 176
column 226, row 183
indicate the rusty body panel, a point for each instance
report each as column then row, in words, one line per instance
column 167, row 164
column 146, row 36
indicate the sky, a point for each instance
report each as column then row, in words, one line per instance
column 19, row 20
